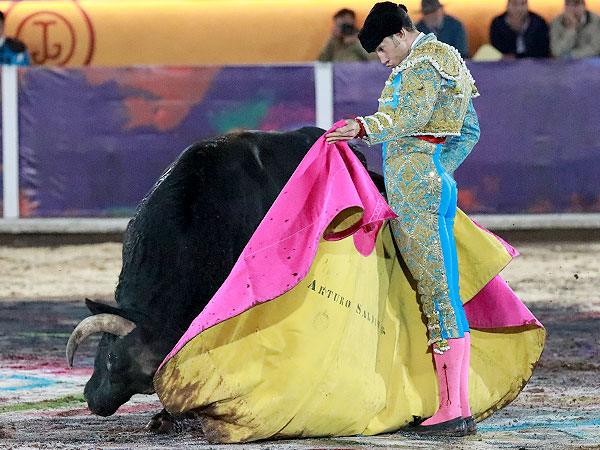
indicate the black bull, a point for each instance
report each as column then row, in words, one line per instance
column 179, row 248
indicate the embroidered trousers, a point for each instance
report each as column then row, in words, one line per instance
column 423, row 195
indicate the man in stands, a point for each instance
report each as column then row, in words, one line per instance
column 343, row 44
column 445, row 27
column 576, row 32
column 520, row 33
column 12, row 51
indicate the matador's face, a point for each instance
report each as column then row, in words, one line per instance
column 393, row 49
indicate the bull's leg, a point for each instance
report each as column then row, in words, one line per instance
column 163, row 422
column 166, row 423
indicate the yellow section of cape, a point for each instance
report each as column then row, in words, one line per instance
column 344, row 352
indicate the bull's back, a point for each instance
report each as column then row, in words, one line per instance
column 190, row 229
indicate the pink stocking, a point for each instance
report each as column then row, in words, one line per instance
column 464, row 377
column 448, row 367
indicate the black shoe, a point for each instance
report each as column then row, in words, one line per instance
column 454, row 427
column 471, row 425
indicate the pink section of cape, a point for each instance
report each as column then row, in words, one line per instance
column 279, row 254
column 497, row 306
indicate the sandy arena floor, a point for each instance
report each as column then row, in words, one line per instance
column 561, row 274
column 41, row 293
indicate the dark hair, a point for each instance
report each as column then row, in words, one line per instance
column 344, row 12
column 1, row 16
column 407, row 22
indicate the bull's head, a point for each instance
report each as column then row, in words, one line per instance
column 124, row 364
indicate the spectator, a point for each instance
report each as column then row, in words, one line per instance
column 343, row 44
column 576, row 32
column 520, row 33
column 12, row 51
column 445, row 27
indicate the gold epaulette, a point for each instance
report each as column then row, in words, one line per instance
column 445, row 59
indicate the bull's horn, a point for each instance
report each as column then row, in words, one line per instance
column 107, row 323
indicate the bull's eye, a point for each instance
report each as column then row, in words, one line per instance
column 116, row 369
column 112, row 363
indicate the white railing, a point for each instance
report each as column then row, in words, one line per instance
column 10, row 142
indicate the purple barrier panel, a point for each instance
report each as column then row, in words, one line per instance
column 540, row 138
column 1, row 162
column 94, row 140
column 356, row 88
column 540, row 133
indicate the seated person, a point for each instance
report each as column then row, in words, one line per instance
column 446, row 28
column 12, row 51
column 520, row 33
column 343, row 44
column 576, row 32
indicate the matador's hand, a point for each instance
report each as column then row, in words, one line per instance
column 345, row 133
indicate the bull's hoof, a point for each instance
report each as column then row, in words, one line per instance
column 166, row 423
column 163, row 423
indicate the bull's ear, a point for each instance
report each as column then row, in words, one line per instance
column 103, row 308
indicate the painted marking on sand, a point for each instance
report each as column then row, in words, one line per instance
column 21, row 382
column 54, row 403
column 577, row 428
column 46, row 366
column 50, row 335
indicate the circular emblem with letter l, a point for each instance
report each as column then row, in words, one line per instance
column 55, row 33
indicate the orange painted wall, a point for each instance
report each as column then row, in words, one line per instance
column 121, row 32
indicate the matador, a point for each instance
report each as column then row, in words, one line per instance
column 428, row 126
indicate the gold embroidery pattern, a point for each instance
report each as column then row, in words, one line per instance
column 414, row 190
column 428, row 94
column 453, row 98
column 416, row 97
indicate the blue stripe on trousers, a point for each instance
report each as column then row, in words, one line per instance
column 446, row 215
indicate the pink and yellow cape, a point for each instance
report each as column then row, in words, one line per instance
column 316, row 335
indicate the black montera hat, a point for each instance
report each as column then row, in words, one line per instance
column 385, row 19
